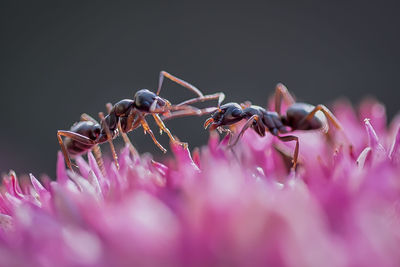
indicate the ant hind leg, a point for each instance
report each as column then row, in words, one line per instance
column 282, row 93
column 289, row 138
column 74, row 136
column 332, row 118
column 328, row 114
column 96, row 149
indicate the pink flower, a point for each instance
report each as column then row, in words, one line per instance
column 214, row 207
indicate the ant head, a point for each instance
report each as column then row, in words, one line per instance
column 147, row 101
column 227, row 114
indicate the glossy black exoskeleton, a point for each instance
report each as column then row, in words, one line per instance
column 298, row 116
column 127, row 115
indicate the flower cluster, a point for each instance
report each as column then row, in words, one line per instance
column 217, row 207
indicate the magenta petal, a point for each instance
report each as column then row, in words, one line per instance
column 115, row 179
column 394, row 153
column 93, row 165
column 61, row 171
column 376, row 112
column 44, row 195
column 373, row 140
column 161, row 168
column 244, row 207
column 64, row 205
column 95, row 183
column 16, row 190
column 5, row 207
column 36, row 184
column 6, row 222
column 363, row 157
column 124, row 158
column 84, row 168
column 12, row 200
column 183, row 156
column 95, row 168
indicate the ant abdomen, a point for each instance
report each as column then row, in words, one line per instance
column 297, row 113
column 88, row 129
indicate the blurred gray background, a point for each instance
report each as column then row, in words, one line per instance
column 60, row 59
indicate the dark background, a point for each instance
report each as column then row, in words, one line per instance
column 58, row 60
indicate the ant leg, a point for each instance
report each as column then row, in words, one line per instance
column 249, row 123
column 96, row 148
column 109, row 139
column 125, row 137
column 281, row 92
column 162, row 126
column 86, row 117
column 170, row 108
column 188, row 112
column 147, row 129
column 328, row 114
column 219, row 96
column 64, row 151
column 74, row 136
column 289, row 138
column 99, row 159
column 178, row 81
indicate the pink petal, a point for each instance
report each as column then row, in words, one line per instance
column 84, row 168
column 183, row 156
column 375, row 111
column 394, row 153
column 61, row 170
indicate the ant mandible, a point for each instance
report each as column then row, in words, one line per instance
column 299, row 116
column 127, row 115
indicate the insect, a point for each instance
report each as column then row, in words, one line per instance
column 298, row 116
column 127, row 115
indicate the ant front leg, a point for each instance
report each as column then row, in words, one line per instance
column 76, row 137
column 289, row 138
column 178, row 81
column 109, row 139
column 147, row 129
column 281, row 92
column 162, row 126
column 249, row 123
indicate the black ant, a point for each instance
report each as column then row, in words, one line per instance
column 299, row 116
column 127, row 115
